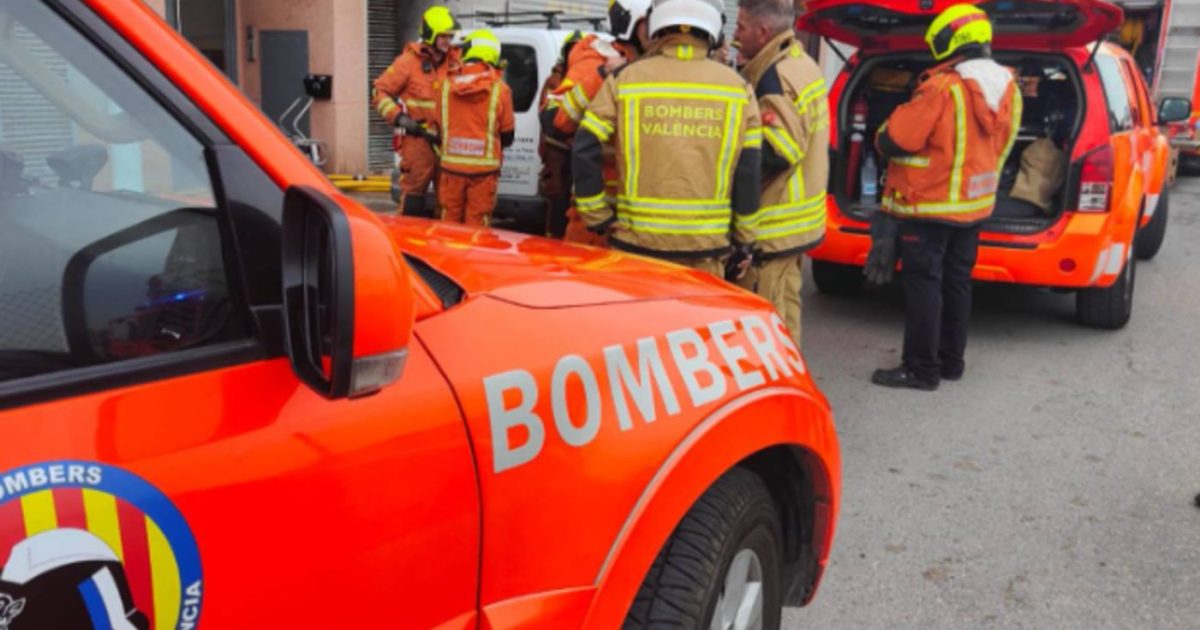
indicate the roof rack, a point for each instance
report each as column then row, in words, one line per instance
column 552, row 19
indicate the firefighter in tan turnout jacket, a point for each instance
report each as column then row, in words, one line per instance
column 686, row 134
column 795, row 152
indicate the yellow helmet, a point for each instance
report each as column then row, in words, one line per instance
column 960, row 25
column 482, row 45
column 437, row 21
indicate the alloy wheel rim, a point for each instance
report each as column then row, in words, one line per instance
column 740, row 605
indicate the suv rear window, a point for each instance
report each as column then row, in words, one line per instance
column 1120, row 115
column 521, row 74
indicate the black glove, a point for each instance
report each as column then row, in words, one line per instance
column 881, row 261
column 738, row 262
column 407, row 123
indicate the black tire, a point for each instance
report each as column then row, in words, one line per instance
column 1150, row 238
column 687, row 579
column 1109, row 308
column 836, row 278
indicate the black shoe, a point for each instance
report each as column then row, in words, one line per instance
column 951, row 375
column 902, row 377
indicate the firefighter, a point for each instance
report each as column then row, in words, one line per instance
column 554, row 180
column 688, row 142
column 476, row 122
column 403, row 95
column 945, row 147
column 795, row 152
column 591, row 60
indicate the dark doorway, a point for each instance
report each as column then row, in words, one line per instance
column 210, row 26
column 283, row 63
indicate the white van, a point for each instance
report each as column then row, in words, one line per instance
column 529, row 54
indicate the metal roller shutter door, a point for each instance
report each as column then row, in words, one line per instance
column 383, row 44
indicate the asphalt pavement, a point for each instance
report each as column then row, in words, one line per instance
column 1051, row 488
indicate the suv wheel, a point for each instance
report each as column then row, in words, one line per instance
column 836, row 278
column 1109, row 308
column 721, row 568
column 1150, row 238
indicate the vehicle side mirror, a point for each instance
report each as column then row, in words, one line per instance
column 347, row 302
column 1173, row 109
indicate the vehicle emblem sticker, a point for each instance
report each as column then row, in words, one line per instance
column 90, row 546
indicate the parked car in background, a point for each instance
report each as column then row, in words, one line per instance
column 1085, row 101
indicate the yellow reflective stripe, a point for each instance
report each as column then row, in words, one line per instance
column 574, row 112
column 675, row 227
column 470, row 161
column 791, row 229
column 664, row 202
column 416, row 102
column 579, row 96
column 592, row 202
column 810, row 93
column 754, row 137
column 1018, row 106
column 782, row 211
column 961, row 207
column 598, row 127
column 915, row 161
column 685, row 52
column 445, row 116
column 681, row 90
column 386, row 107
column 733, row 113
column 783, row 144
column 632, row 144
column 493, row 107
column 960, row 142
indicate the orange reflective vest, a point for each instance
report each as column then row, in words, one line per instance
column 475, row 107
column 957, row 142
column 409, row 80
column 586, row 70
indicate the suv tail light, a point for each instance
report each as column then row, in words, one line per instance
column 1095, row 180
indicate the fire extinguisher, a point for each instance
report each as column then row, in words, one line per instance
column 858, row 132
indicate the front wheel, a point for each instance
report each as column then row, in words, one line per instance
column 1109, row 308
column 722, row 567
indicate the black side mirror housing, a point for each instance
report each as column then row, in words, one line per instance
column 318, row 291
column 1172, row 110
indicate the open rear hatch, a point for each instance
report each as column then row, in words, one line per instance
column 900, row 25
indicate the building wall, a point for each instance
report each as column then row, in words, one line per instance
column 336, row 46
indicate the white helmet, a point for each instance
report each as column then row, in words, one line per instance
column 706, row 15
column 623, row 16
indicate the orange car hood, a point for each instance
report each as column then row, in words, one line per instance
column 543, row 273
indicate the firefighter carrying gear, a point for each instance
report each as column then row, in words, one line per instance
column 476, row 121
column 587, row 67
column 795, row 116
column 406, row 88
column 555, row 156
column 946, row 148
column 675, row 102
column 948, row 144
column 956, row 28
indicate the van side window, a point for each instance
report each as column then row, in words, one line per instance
column 1120, row 114
column 109, row 239
column 521, row 74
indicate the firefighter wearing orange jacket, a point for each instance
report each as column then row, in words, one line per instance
column 404, row 96
column 554, row 179
column 476, row 122
column 688, row 140
column 795, row 116
column 590, row 61
column 946, row 148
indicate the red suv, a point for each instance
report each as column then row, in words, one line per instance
column 1096, row 159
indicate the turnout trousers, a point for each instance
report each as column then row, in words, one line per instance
column 937, row 261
